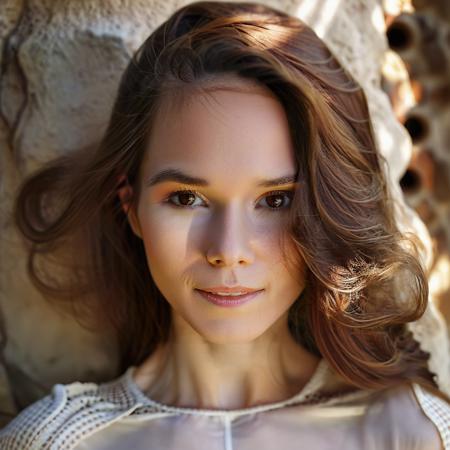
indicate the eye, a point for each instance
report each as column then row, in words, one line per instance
column 277, row 200
column 186, row 198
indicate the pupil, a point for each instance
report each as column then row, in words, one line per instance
column 186, row 196
column 278, row 201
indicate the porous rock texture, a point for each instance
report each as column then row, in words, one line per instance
column 60, row 65
column 419, row 33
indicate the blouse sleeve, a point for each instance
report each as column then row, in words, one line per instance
column 397, row 421
column 24, row 431
column 437, row 410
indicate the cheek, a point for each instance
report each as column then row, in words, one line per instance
column 165, row 241
column 288, row 265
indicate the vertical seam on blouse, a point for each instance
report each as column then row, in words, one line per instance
column 228, row 442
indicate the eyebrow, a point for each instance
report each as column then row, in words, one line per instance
column 183, row 178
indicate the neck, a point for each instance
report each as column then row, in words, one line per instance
column 189, row 371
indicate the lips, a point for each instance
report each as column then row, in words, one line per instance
column 229, row 300
column 235, row 290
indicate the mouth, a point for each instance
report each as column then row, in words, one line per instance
column 228, row 300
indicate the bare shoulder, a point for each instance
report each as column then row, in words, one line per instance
column 410, row 417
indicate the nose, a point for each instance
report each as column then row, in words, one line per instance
column 230, row 243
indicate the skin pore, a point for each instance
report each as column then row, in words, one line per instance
column 225, row 233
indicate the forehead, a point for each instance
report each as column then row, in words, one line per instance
column 237, row 128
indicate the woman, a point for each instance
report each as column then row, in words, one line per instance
column 236, row 230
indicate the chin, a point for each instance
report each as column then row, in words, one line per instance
column 229, row 334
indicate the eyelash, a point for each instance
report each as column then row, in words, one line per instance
column 268, row 194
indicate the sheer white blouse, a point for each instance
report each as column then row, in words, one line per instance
column 118, row 415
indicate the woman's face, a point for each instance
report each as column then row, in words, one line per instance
column 225, row 230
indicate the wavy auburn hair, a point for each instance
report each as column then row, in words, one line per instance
column 364, row 279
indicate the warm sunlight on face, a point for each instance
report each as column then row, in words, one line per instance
column 222, row 229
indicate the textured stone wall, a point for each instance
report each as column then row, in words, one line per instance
column 60, row 64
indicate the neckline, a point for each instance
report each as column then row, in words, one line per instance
column 310, row 386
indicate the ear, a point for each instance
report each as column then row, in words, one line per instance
column 125, row 193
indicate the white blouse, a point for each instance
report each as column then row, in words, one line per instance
column 118, row 415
